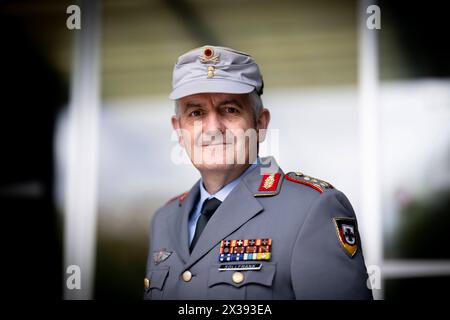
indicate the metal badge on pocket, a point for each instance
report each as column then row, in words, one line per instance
column 240, row 267
column 161, row 255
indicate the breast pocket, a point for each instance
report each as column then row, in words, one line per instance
column 241, row 284
column 156, row 279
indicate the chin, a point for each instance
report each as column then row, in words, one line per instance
column 213, row 167
column 214, row 164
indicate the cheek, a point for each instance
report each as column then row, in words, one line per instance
column 243, row 126
column 192, row 130
column 242, row 123
column 244, row 139
column 188, row 136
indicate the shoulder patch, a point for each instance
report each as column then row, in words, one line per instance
column 314, row 183
column 179, row 197
column 347, row 233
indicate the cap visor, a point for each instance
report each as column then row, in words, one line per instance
column 209, row 86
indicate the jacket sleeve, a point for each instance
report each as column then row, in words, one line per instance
column 320, row 266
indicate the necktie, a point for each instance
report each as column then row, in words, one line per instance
column 209, row 207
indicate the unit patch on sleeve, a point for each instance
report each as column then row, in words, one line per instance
column 347, row 234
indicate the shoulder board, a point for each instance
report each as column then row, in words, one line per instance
column 314, row 183
column 179, row 197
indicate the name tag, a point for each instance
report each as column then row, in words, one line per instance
column 242, row 267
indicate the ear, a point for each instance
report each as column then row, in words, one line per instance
column 176, row 127
column 262, row 123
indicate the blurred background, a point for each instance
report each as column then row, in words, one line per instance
column 86, row 140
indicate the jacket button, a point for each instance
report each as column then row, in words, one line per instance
column 146, row 283
column 187, row 276
column 238, row 277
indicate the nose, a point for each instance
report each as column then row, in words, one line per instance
column 213, row 123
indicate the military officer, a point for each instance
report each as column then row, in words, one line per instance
column 246, row 229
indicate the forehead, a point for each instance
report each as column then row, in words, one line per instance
column 213, row 98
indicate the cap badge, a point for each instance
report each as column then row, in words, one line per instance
column 208, row 56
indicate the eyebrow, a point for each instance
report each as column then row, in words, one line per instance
column 190, row 105
column 230, row 101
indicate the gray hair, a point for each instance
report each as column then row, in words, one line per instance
column 255, row 100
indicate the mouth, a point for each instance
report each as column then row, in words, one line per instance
column 215, row 144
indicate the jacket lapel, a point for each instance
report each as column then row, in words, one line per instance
column 178, row 222
column 239, row 207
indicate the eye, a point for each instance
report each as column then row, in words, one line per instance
column 195, row 113
column 231, row 110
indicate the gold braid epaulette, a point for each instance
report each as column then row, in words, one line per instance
column 317, row 184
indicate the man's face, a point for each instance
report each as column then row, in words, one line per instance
column 218, row 130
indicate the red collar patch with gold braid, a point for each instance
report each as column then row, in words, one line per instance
column 270, row 185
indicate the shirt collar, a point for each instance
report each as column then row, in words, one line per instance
column 225, row 191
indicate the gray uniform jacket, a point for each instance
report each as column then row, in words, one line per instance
column 315, row 250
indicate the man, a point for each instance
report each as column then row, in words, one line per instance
column 245, row 230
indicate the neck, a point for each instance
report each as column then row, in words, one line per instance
column 214, row 180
